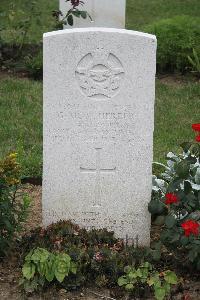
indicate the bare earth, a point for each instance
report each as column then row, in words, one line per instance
column 10, row 273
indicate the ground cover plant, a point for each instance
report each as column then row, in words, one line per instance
column 144, row 276
column 21, row 123
column 70, row 257
column 13, row 212
column 176, row 202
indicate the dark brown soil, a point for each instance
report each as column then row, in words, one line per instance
column 176, row 80
column 10, row 272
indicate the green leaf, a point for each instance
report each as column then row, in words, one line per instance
column 76, row 13
column 50, row 269
column 170, row 221
column 41, row 267
column 59, row 276
column 73, row 268
column 70, row 20
column 182, row 169
column 187, row 187
column 123, row 280
column 129, row 287
column 184, row 240
column 170, row 277
column 28, row 270
column 156, row 207
column 28, row 257
column 83, row 14
column 132, row 275
column 167, row 287
column 154, row 280
column 159, row 293
column 62, row 268
column 186, row 146
column 40, row 255
column 197, row 176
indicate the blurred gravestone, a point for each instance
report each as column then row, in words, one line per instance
column 104, row 13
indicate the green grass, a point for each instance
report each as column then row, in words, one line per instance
column 177, row 107
column 143, row 12
column 21, row 119
column 21, row 122
column 139, row 14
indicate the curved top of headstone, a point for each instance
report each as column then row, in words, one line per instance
column 100, row 29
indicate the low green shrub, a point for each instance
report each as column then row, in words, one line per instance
column 175, row 203
column 41, row 266
column 177, row 37
column 100, row 257
column 145, row 276
column 34, row 65
column 13, row 204
column 194, row 60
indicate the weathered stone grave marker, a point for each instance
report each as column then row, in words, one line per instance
column 104, row 13
column 98, row 129
column 98, row 170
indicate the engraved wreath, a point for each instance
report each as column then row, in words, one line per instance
column 99, row 74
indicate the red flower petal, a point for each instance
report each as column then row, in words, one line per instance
column 171, row 198
column 197, row 138
column 190, row 227
column 196, row 127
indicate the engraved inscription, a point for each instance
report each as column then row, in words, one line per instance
column 99, row 74
column 98, row 170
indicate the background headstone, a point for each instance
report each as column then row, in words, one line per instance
column 104, row 13
column 98, row 129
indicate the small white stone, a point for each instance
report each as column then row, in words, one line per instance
column 99, row 90
column 104, row 13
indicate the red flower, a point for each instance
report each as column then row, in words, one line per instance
column 196, row 127
column 171, row 198
column 190, row 227
column 197, row 138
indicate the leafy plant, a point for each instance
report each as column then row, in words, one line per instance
column 68, row 18
column 43, row 266
column 34, row 65
column 19, row 24
column 176, row 202
column 100, row 257
column 195, row 62
column 13, row 204
column 144, row 275
column 177, row 37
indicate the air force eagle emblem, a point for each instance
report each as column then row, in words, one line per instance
column 99, row 75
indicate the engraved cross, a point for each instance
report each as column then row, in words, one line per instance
column 98, row 171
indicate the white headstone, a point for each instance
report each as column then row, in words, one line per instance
column 98, row 129
column 104, row 13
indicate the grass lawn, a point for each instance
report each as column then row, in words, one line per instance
column 177, row 107
column 21, row 122
column 21, row 119
column 143, row 12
